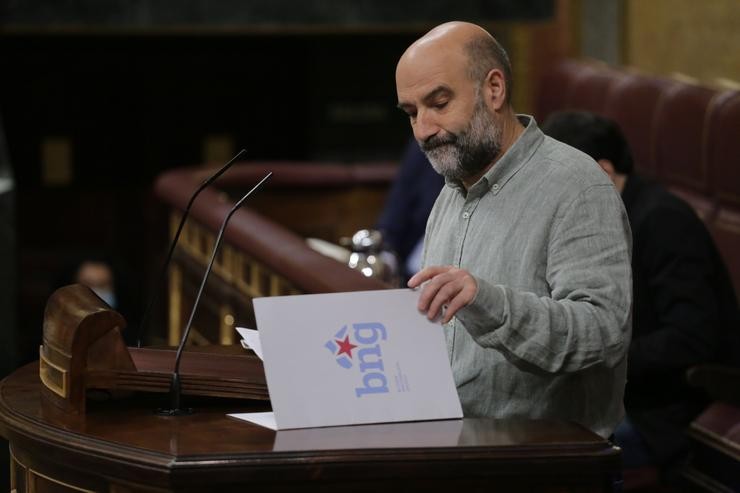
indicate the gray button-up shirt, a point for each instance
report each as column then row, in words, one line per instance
column 545, row 234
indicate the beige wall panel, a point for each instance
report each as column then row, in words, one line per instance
column 697, row 38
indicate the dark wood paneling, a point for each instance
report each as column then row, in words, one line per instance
column 270, row 14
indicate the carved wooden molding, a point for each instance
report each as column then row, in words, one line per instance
column 83, row 349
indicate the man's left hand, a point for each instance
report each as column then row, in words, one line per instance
column 448, row 287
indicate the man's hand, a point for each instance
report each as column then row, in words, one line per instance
column 448, row 286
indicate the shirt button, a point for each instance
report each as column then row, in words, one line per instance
column 495, row 186
column 466, row 215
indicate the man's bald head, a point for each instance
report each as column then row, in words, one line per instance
column 481, row 51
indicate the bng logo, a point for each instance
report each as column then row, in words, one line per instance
column 367, row 357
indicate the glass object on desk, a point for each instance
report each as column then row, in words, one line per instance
column 370, row 256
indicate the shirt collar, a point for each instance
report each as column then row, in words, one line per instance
column 514, row 158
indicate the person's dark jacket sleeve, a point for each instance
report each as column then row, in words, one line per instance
column 409, row 202
column 675, row 265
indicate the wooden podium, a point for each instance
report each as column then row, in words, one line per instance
column 123, row 446
column 63, row 438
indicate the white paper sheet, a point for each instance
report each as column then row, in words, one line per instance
column 251, row 338
column 266, row 419
column 354, row 358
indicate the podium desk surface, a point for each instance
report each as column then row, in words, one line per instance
column 123, row 445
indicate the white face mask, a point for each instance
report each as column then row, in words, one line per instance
column 106, row 295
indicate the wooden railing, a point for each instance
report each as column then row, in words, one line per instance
column 264, row 251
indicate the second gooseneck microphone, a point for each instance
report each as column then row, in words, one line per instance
column 186, row 212
column 175, row 385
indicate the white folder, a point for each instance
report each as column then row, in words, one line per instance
column 352, row 358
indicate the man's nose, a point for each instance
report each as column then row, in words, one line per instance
column 425, row 126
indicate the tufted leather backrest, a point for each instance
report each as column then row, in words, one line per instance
column 631, row 103
column 723, row 154
column 680, row 134
column 723, row 148
column 681, row 129
column 554, row 87
column 590, row 88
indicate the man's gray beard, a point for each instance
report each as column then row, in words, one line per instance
column 467, row 153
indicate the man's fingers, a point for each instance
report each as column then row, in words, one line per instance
column 444, row 294
column 453, row 306
column 446, row 286
column 461, row 300
column 428, row 293
column 426, row 274
column 431, row 288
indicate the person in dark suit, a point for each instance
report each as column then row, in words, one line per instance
column 685, row 310
column 407, row 208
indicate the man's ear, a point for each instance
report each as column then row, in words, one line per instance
column 608, row 167
column 495, row 87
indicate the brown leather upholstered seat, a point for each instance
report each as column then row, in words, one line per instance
column 555, row 85
column 723, row 152
column 681, row 123
column 631, row 103
column 723, row 155
column 716, row 437
column 590, row 88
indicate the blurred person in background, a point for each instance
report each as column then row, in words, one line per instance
column 685, row 309
column 407, row 209
column 108, row 280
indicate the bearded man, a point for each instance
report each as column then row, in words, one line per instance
column 527, row 249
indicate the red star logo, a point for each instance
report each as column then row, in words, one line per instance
column 345, row 346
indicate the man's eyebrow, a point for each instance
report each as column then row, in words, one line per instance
column 404, row 106
column 428, row 98
column 437, row 91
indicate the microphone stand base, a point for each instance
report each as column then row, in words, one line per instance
column 184, row 411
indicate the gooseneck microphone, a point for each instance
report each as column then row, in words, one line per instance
column 175, row 385
column 166, row 264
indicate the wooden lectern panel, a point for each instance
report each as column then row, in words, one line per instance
column 83, row 349
column 123, row 446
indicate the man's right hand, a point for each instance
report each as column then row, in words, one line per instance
column 444, row 286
